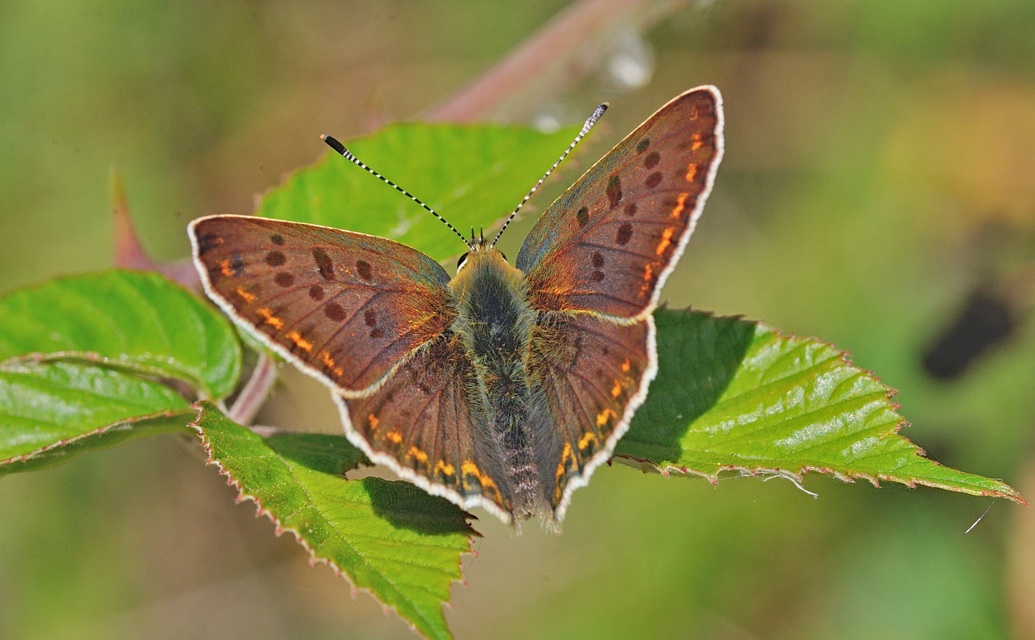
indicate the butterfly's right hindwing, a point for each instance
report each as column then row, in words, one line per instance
column 593, row 374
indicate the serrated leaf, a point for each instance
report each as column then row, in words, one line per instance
column 131, row 319
column 103, row 437
column 736, row 395
column 45, row 406
column 318, row 451
column 472, row 175
column 388, row 537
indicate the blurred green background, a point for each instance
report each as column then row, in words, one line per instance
column 880, row 167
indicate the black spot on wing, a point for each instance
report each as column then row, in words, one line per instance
column 363, row 269
column 324, row 264
column 614, row 191
column 624, row 234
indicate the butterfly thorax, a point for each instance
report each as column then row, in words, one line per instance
column 496, row 320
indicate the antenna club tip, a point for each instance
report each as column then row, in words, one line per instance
column 333, row 144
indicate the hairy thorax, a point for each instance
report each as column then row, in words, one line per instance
column 496, row 321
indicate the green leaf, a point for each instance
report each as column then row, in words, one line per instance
column 49, row 406
column 388, row 537
column 471, row 175
column 737, row 395
column 130, row 319
column 318, row 451
column 107, row 436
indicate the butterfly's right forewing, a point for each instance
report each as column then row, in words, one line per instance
column 608, row 243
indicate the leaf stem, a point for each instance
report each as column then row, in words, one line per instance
column 254, row 393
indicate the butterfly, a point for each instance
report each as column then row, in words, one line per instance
column 503, row 387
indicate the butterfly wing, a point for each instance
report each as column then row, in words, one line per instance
column 594, row 265
column 609, row 242
column 370, row 318
column 345, row 307
column 422, row 425
column 594, row 374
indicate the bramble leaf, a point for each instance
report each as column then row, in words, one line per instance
column 50, row 410
column 90, row 361
column 736, row 395
column 388, row 537
column 137, row 320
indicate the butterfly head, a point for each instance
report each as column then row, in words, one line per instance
column 477, row 246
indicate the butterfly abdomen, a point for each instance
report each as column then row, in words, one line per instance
column 497, row 322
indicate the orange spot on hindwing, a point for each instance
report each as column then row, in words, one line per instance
column 677, row 211
column 666, row 241
column 691, row 172
column 568, row 462
column 586, row 440
column 269, row 318
column 472, row 479
column 417, row 454
column 247, row 296
column 299, row 342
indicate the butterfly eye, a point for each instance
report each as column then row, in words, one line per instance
column 461, row 261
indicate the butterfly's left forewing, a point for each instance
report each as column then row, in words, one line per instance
column 346, row 307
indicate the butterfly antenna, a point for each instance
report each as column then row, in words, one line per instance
column 340, row 148
column 592, row 120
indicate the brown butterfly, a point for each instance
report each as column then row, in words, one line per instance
column 505, row 386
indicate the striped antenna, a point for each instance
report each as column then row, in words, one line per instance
column 592, row 120
column 340, row 148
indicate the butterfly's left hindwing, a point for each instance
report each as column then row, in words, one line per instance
column 422, row 424
column 346, row 307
